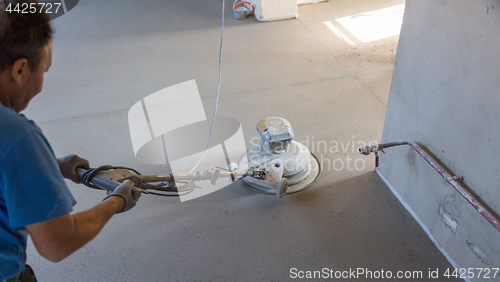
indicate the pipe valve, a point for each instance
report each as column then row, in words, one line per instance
column 366, row 150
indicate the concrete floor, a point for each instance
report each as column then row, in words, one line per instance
column 110, row 54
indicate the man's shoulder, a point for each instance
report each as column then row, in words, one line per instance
column 13, row 128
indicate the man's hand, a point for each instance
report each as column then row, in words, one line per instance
column 68, row 165
column 128, row 193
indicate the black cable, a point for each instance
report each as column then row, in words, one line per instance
column 89, row 174
column 163, row 195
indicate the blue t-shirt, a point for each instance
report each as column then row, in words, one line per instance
column 32, row 188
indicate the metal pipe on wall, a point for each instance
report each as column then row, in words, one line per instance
column 453, row 180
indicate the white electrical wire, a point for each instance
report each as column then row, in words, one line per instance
column 218, row 87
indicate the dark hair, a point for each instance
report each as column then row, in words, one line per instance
column 22, row 36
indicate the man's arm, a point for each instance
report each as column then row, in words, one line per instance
column 58, row 238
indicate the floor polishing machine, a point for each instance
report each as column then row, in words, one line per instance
column 276, row 165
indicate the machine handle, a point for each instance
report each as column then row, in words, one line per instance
column 103, row 184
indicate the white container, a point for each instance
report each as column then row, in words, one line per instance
column 274, row 10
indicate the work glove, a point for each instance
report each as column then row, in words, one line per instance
column 68, row 165
column 128, row 193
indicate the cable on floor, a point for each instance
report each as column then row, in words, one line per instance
column 218, row 87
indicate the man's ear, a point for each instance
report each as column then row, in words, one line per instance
column 19, row 69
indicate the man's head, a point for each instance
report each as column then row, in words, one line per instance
column 24, row 57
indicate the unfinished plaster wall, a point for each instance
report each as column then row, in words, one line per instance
column 445, row 95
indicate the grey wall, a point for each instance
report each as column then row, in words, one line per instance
column 445, row 95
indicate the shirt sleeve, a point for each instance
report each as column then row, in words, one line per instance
column 32, row 184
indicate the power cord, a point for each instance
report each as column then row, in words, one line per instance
column 89, row 174
column 218, row 87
